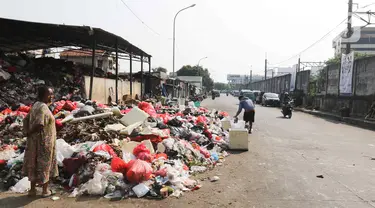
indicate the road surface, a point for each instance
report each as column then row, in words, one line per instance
column 279, row 170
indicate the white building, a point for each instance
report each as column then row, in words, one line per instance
column 238, row 79
column 193, row 80
column 362, row 40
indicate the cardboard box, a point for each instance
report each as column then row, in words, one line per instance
column 238, row 139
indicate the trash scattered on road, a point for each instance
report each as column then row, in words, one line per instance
column 55, row 198
column 214, row 179
column 320, row 176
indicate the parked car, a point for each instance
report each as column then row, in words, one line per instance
column 236, row 93
column 249, row 94
column 259, row 98
column 271, row 99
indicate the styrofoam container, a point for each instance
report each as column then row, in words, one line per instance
column 226, row 124
column 134, row 116
column 238, row 139
column 141, row 190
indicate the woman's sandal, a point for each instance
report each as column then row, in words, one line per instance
column 51, row 193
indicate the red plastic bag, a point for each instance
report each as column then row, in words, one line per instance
column 118, row 165
column 161, row 155
column 148, row 108
column 205, row 152
column 225, row 114
column 138, row 171
column 140, row 148
column 201, row 119
column 164, row 117
column 6, row 111
column 69, row 106
column 58, row 124
column 161, row 172
column 101, row 105
column 105, row 148
column 153, row 138
column 145, row 156
column 24, row 108
column 58, row 106
column 126, row 111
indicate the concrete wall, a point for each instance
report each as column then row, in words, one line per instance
column 104, row 87
column 363, row 89
column 281, row 84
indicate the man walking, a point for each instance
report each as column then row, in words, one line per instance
column 249, row 114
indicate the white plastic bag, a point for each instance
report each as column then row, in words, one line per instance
column 7, row 154
column 63, row 150
column 14, row 160
column 140, row 190
column 97, row 185
column 239, row 125
column 22, row 186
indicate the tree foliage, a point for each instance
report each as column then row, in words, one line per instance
column 337, row 59
column 221, row 86
column 160, row 69
column 188, row 70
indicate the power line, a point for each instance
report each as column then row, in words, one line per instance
column 322, row 38
column 316, row 42
column 139, row 18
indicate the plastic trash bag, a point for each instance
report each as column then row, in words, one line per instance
column 138, row 171
column 97, row 185
column 140, row 148
column 63, row 150
column 22, row 186
column 118, row 165
column 240, row 124
column 103, row 168
column 105, row 148
column 148, row 108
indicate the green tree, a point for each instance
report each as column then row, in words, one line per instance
column 160, row 69
column 188, row 70
column 221, row 86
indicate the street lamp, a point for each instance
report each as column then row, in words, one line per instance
column 201, row 60
column 174, row 37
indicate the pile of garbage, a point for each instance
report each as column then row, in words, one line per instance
column 148, row 150
column 19, row 80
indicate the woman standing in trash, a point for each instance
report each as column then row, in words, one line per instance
column 40, row 155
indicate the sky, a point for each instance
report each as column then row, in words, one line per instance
column 235, row 35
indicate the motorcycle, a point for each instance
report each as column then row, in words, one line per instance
column 227, row 94
column 213, row 97
column 287, row 110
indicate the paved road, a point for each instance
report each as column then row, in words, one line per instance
column 279, row 170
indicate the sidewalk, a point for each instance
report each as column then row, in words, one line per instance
column 349, row 120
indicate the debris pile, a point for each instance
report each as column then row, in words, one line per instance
column 148, row 150
column 19, row 84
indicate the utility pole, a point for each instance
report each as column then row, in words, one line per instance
column 299, row 64
column 265, row 69
column 349, row 33
column 251, row 76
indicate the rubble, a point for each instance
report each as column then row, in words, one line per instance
column 151, row 153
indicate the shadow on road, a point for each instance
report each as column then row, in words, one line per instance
column 17, row 201
column 237, row 152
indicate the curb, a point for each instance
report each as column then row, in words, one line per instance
column 348, row 120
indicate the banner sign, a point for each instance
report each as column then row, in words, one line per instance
column 346, row 73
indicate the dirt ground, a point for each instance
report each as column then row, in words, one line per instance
column 279, row 170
